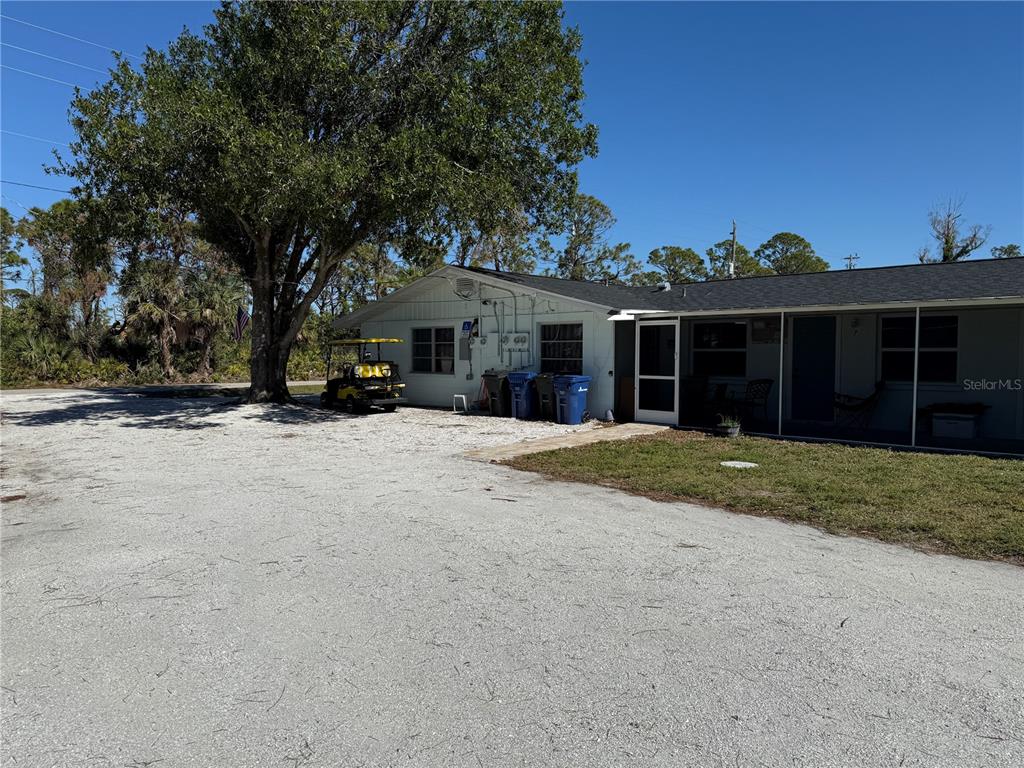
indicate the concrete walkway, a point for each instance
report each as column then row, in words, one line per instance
column 499, row 453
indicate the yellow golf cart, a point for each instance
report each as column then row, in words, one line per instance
column 363, row 383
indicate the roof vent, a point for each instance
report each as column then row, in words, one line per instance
column 465, row 287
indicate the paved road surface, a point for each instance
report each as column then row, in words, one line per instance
column 206, row 585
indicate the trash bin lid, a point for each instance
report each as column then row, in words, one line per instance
column 520, row 377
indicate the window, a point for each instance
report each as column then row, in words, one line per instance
column 561, row 348
column 938, row 349
column 720, row 349
column 433, row 350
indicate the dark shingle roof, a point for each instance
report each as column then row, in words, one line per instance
column 963, row 280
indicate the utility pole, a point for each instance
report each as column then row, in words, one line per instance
column 851, row 260
column 732, row 258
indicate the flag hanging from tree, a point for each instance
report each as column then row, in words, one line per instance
column 241, row 321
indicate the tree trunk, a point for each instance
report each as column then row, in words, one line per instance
column 268, row 372
column 268, row 364
column 205, row 368
column 166, row 337
column 277, row 318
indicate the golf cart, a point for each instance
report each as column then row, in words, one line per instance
column 366, row 382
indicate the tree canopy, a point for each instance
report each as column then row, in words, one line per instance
column 1008, row 251
column 676, row 265
column 587, row 253
column 955, row 241
column 11, row 260
column 294, row 133
column 787, row 253
column 720, row 254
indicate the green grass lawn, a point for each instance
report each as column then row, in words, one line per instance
column 962, row 505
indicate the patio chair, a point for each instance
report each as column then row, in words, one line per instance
column 693, row 397
column 717, row 403
column 853, row 411
column 755, row 397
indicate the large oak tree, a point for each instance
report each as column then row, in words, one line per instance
column 295, row 133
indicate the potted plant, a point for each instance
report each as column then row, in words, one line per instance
column 727, row 427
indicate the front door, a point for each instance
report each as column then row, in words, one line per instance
column 657, row 354
column 814, row 369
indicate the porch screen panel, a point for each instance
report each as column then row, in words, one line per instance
column 656, row 395
column 938, row 349
column 720, row 349
column 658, row 348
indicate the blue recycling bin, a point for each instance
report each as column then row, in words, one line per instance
column 524, row 394
column 571, row 398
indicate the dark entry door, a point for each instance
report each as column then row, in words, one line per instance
column 814, row 368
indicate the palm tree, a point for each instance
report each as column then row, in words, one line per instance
column 213, row 297
column 43, row 355
column 152, row 292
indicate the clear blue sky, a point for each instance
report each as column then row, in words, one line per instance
column 842, row 122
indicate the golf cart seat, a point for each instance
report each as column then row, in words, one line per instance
column 372, row 370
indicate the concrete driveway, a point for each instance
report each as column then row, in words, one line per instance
column 187, row 583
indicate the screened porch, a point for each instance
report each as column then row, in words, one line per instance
column 948, row 378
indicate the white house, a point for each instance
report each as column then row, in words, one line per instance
column 926, row 355
column 458, row 323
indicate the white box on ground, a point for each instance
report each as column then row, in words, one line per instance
column 961, row 426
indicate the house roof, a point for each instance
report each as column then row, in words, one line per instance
column 962, row 281
column 954, row 281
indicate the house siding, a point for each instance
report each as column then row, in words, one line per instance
column 437, row 305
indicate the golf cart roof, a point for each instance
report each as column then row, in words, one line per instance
column 360, row 342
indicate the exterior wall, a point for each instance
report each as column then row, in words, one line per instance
column 857, row 365
column 436, row 305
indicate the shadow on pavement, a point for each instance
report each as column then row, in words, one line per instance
column 147, row 412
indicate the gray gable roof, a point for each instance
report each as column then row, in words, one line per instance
column 963, row 280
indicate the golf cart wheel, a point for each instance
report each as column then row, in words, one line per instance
column 350, row 404
column 326, row 401
column 389, row 408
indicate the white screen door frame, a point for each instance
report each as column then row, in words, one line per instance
column 657, row 416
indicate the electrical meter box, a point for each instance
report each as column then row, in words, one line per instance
column 515, row 342
column 486, row 341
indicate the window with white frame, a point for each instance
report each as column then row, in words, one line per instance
column 561, row 348
column 433, row 350
column 720, row 349
column 938, row 348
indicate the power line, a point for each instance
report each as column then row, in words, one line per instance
column 53, row 58
column 17, row 203
column 35, row 186
column 34, row 138
column 69, row 37
column 41, row 77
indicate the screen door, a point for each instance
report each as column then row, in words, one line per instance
column 657, row 353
